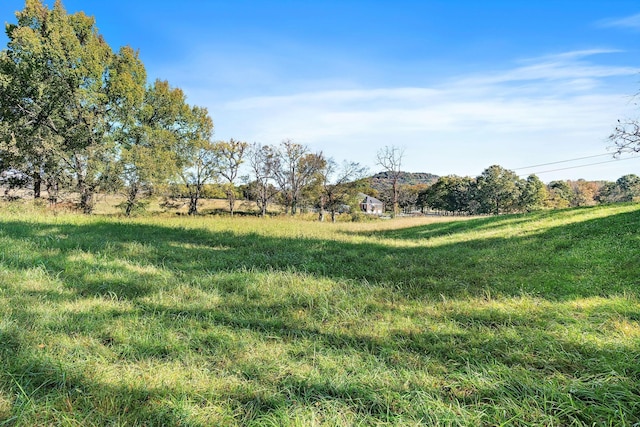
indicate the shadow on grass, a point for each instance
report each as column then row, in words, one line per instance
column 43, row 384
column 39, row 380
column 130, row 262
column 472, row 224
column 595, row 257
column 440, row 229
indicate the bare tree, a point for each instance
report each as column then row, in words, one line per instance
column 230, row 157
column 295, row 169
column 338, row 185
column 262, row 160
column 626, row 137
column 198, row 156
column 390, row 159
column 201, row 169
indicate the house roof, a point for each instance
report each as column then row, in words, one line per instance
column 366, row 199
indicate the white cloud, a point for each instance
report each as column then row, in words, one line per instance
column 630, row 22
column 549, row 108
column 565, row 66
column 575, row 54
column 552, row 90
column 339, row 97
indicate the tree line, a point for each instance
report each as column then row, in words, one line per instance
column 498, row 190
column 78, row 117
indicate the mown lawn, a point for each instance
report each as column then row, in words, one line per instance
column 511, row 320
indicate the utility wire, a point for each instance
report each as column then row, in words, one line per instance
column 565, row 161
column 582, row 166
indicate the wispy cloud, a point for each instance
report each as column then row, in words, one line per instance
column 386, row 96
column 565, row 66
column 576, row 54
column 556, row 106
column 547, row 77
column 630, row 22
column 528, row 97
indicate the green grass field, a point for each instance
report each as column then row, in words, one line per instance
column 511, row 320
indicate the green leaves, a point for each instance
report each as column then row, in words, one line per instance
column 498, row 189
column 55, row 99
column 70, row 104
column 126, row 82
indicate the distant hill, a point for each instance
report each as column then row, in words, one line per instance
column 382, row 180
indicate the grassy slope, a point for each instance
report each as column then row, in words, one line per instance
column 526, row 319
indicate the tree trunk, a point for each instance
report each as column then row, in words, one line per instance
column 37, row 184
column 85, row 190
column 321, row 211
column 86, row 199
column 395, row 197
column 86, row 195
column 263, row 202
column 131, row 200
column 232, row 201
column 193, row 203
column 52, row 189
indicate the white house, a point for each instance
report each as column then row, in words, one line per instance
column 371, row 205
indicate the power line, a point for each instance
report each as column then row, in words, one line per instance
column 582, row 166
column 564, row 161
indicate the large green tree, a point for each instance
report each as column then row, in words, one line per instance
column 629, row 187
column 30, row 101
column 452, row 194
column 533, row 193
column 61, row 89
column 498, row 190
column 559, row 195
column 157, row 129
column 625, row 189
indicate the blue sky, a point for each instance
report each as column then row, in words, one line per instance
column 460, row 85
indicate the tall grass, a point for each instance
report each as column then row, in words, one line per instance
column 511, row 320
